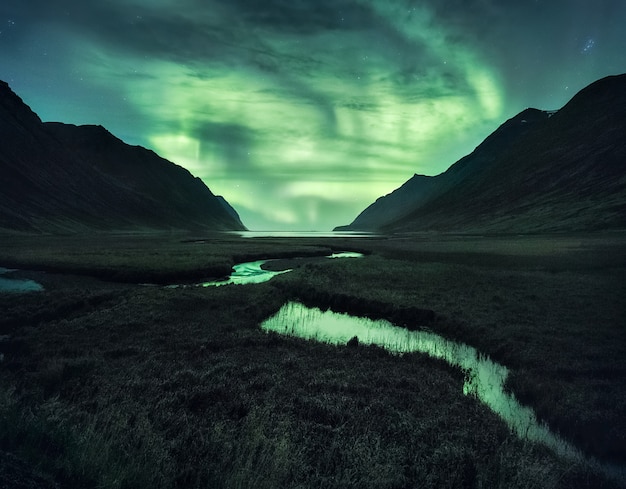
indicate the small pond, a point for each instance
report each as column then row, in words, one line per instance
column 14, row 285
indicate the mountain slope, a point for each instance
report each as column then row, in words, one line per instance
column 538, row 172
column 65, row 178
column 415, row 191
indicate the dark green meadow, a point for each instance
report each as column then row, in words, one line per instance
column 105, row 383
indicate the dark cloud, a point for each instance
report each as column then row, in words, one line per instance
column 305, row 16
column 518, row 25
column 232, row 32
column 231, row 143
column 170, row 33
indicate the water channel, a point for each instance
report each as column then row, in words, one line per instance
column 483, row 378
column 253, row 272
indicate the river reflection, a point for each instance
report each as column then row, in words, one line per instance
column 17, row 285
column 247, row 273
column 483, row 377
column 253, row 272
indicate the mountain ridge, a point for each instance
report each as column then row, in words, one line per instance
column 540, row 171
column 65, row 178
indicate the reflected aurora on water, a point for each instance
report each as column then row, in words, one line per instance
column 253, row 272
column 14, row 285
column 247, row 273
column 483, row 378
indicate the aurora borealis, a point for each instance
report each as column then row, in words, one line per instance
column 301, row 113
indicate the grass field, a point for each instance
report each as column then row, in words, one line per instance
column 105, row 383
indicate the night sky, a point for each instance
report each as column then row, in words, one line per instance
column 302, row 112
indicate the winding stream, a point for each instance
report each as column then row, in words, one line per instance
column 253, row 273
column 483, row 378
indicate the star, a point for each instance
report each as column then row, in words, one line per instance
column 589, row 45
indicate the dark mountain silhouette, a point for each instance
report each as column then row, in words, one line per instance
column 538, row 172
column 64, row 178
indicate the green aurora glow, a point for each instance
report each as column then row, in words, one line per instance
column 303, row 113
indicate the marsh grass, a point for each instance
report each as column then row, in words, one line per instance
column 73, row 455
column 109, row 385
column 158, row 259
column 561, row 334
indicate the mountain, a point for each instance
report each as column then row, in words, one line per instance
column 538, row 172
column 65, row 178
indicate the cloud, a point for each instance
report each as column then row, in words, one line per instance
column 287, row 106
column 303, row 17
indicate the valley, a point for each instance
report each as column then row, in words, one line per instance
column 108, row 382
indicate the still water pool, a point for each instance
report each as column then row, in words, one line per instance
column 13, row 285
